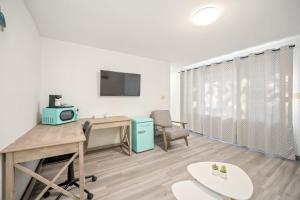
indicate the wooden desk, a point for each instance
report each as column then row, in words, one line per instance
column 41, row 142
column 124, row 123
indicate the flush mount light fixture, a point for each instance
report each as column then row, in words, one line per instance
column 206, row 16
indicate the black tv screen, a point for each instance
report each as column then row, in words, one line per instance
column 119, row 84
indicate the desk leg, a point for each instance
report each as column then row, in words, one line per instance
column 121, row 137
column 81, row 171
column 10, row 177
column 129, row 138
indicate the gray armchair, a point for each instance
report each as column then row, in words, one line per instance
column 164, row 125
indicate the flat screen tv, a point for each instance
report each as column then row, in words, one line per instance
column 119, row 84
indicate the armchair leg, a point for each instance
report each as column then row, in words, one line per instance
column 169, row 143
column 186, row 141
column 165, row 141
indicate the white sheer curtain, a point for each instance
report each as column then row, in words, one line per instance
column 264, row 108
column 246, row 101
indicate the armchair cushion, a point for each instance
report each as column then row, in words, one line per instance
column 162, row 117
column 175, row 132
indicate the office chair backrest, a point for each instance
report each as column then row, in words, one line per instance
column 87, row 133
column 85, row 125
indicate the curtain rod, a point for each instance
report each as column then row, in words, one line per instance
column 217, row 63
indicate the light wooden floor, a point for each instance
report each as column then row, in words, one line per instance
column 149, row 175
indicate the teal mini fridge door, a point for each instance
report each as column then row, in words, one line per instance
column 142, row 134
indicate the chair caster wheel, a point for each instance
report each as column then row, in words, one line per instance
column 90, row 196
column 94, row 178
column 46, row 194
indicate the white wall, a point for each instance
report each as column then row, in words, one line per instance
column 19, row 78
column 175, row 92
column 175, row 78
column 73, row 71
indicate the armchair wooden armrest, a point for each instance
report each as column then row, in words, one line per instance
column 160, row 125
column 182, row 123
column 179, row 122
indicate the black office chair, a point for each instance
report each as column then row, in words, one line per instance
column 86, row 125
column 71, row 180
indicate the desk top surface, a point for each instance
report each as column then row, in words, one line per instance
column 105, row 120
column 47, row 135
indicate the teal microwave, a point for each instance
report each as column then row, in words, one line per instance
column 59, row 115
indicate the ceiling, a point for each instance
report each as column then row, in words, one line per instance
column 162, row 29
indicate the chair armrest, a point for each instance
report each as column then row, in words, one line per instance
column 160, row 125
column 181, row 123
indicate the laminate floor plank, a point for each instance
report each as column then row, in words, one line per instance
column 150, row 175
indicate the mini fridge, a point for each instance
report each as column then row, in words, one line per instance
column 142, row 134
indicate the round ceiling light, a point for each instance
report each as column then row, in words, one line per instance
column 206, row 16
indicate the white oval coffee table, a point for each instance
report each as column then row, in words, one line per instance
column 238, row 185
column 192, row 190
